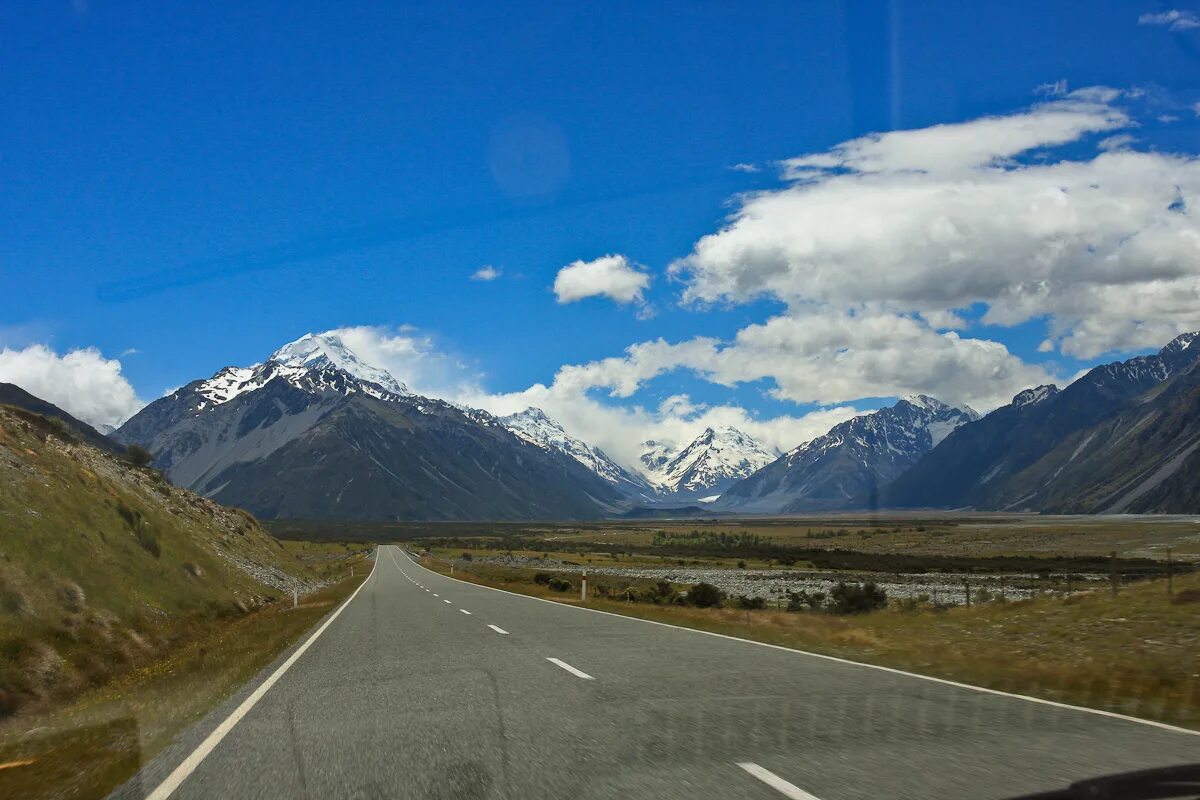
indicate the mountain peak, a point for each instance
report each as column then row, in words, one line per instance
column 1034, row 395
column 1183, row 341
column 327, row 350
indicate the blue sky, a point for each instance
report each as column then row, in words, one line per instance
column 185, row 186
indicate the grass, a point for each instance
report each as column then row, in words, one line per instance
column 1133, row 654
column 87, row 748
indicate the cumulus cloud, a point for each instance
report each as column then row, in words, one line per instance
column 486, row 273
column 1173, row 20
column 612, row 276
column 83, row 383
column 413, row 358
column 935, row 220
column 826, row 357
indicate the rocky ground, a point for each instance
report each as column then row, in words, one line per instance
column 946, row 588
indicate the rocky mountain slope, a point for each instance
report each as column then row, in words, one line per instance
column 13, row 395
column 845, row 467
column 315, row 433
column 535, row 427
column 96, row 556
column 983, row 465
column 709, row 464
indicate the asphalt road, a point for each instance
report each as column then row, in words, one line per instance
column 424, row 686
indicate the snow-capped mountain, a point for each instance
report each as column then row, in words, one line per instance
column 535, row 427
column 313, row 432
column 845, row 467
column 655, row 456
column 312, row 363
column 708, row 465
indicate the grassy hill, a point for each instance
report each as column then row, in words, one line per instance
column 104, row 566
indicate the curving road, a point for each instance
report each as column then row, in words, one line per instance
column 424, row 686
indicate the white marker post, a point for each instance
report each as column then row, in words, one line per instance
column 295, row 598
column 583, row 586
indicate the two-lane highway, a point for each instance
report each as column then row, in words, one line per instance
column 425, row 686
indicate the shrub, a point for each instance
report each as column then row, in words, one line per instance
column 804, row 600
column 705, row 595
column 856, row 598
column 741, row 565
column 138, row 456
column 751, row 602
column 467, row 556
column 662, row 593
column 560, row 584
column 541, row 578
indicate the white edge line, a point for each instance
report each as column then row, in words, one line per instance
column 189, row 764
column 578, row 673
column 498, row 630
column 945, row 682
column 788, row 790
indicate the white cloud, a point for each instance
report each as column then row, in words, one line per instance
column 931, row 221
column 83, row 382
column 612, row 276
column 746, row 167
column 413, row 358
column 1119, row 142
column 486, row 273
column 825, row 357
column 1173, row 20
column 983, row 142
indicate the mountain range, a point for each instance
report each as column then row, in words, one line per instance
column 314, row 432
column 1109, row 441
column 846, row 467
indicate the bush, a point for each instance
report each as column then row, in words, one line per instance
column 804, row 600
column 467, row 556
column 855, row 598
column 705, row 595
column 741, row 565
column 138, row 456
column 559, row 584
column 541, row 578
column 749, row 603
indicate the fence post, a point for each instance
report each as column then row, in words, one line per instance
column 1112, row 571
column 1170, row 587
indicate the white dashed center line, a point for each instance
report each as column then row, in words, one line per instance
column 463, row 610
column 498, row 630
column 578, row 673
column 435, row 594
column 777, row 783
column 445, row 601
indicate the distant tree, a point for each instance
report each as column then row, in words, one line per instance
column 855, row 598
column 138, row 456
column 705, row 595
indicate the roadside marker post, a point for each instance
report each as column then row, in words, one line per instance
column 1170, row 588
column 295, row 598
column 583, row 587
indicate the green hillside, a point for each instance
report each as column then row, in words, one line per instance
column 104, row 566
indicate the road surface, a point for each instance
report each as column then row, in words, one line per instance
column 424, row 686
